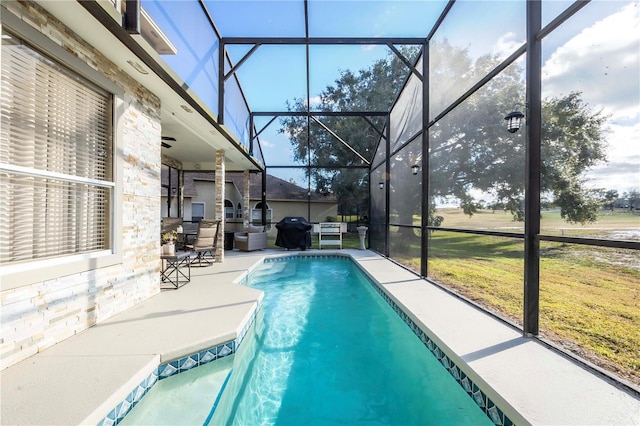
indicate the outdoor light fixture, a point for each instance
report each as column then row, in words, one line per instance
column 415, row 168
column 381, row 185
column 514, row 121
column 174, row 190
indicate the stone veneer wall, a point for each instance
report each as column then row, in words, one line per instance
column 220, row 197
column 39, row 315
column 246, row 199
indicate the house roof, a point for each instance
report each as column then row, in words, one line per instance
column 277, row 189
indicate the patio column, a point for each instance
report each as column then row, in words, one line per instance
column 219, row 208
column 246, row 200
column 181, row 193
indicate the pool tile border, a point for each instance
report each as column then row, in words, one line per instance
column 491, row 410
column 495, row 414
column 174, row 367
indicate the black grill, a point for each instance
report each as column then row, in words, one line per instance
column 294, row 233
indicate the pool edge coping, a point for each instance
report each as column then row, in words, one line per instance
column 157, row 370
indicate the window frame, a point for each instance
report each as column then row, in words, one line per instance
column 256, row 213
column 229, row 210
column 29, row 272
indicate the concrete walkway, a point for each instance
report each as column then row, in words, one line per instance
column 79, row 380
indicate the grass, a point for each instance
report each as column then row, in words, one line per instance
column 589, row 296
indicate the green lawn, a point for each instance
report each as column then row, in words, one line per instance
column 550, row 222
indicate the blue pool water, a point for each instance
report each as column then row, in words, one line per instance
column 327, row 349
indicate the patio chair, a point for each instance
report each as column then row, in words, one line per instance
column 253, row 239
column 188, row 235
column 205, row 243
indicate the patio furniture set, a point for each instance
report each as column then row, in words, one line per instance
column 196, row 245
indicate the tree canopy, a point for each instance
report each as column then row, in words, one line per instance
column 470, row 150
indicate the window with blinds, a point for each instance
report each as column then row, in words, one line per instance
column 56, row 159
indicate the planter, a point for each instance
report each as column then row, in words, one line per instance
column 169, row 249
column 362, row 234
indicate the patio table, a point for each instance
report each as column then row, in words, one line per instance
column 173, row 268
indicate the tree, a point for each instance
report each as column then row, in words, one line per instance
column 573, row 141
column 610, row 198
column 470, row 151
column 371, row 89
column 634, row 199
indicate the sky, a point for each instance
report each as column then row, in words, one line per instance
column 602, row 60
column 596, row 52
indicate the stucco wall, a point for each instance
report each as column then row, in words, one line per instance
column 319, row 211
column 207, row 195
column 39, row 314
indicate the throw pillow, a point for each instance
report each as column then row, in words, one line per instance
column 254, row 229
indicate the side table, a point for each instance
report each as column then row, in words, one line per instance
column 228, row 240
column 173, row 268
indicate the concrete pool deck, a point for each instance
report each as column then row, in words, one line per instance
column 81, row 379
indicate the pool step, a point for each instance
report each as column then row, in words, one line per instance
column 270, row 270
column 165, row 403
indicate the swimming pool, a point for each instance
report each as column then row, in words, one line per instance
column 325, row 348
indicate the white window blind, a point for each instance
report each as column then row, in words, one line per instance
column 56, row 159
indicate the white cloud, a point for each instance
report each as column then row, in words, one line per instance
column 622, row 172
column 316, row 100
column 623, row 141
column 506, row 45
column 266, row 144
column 603, row 63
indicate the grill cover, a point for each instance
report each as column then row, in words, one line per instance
column 294, row 233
